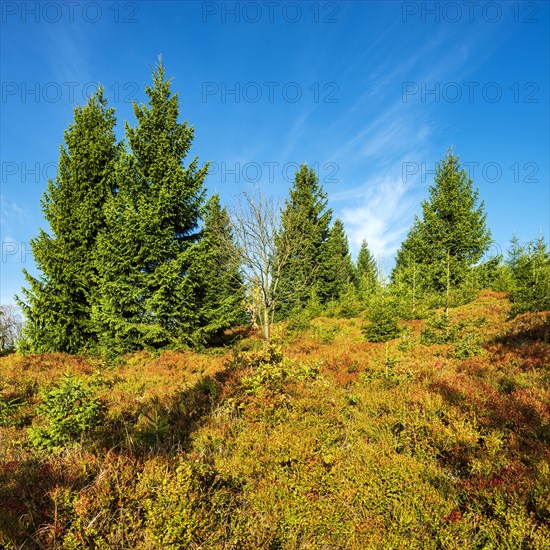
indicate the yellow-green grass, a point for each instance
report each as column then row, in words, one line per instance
column 322, row 441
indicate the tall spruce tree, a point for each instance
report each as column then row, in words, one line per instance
column 452, row 235
column 307, row 218
column 146, row 297
column 454, row 232
column 366, row 270
column 337, row 270
column 216, row 271
column 58, row 303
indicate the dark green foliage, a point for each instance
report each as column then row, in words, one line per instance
column 58, row 303
column 502, row 279
column 69, row 411
column 366, row 277
column 464, row 335
column 448, row 241
column 306, row 218
column 496, row 273
column 220, row 290
column 381, row 320
column 409, row 278
column 336, row 270
column 323, row 333
column 350, row 303
column 440, row 329
column 125, row 264
column 454, row 234
column 301, row 320
column 493, row 274
column 530, row 266
column 467, row 346
column 515, row 252
column 146, row 249
column 8, row 407
column 408, row 255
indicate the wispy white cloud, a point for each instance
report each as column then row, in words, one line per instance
column 11, row 214
column 380, row 208
column 297, row 131
column 68, row 43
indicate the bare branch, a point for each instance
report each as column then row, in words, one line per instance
column 11, row 325
column 263, row 250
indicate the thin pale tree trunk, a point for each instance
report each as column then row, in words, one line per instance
column 266, row 325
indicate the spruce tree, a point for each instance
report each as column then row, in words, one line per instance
column 530, row 267
column 366, row 271
column 493, row 274
column 146, row 298
column 58, row 303
column 453, row 232
column 337, row 271
column 215, row 271
column 451, row 237
column 409, row 277
column 381, row 319
column 305, row 217
column 411, row 249
column 515, row 252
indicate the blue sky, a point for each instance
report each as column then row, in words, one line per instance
column 370, row 93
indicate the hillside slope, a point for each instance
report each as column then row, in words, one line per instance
column 319, row 441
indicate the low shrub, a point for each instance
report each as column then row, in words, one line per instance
column 382, row 322
column 325, row 334
column 69, row 411
column 273, row 370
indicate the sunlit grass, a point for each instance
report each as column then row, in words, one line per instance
column 326, row 442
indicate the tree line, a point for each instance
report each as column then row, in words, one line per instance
column 137, row 256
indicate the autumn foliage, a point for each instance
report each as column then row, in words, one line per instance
column 321, row 440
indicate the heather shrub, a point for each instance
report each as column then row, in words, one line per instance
column 191, row 506
column 273, row 370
